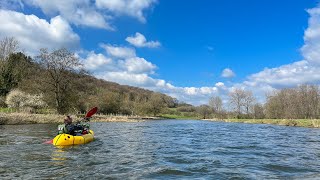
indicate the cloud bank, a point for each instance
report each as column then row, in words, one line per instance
column 90, row 13
column 34, row 33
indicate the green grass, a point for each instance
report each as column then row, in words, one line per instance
column 172, row 116
column 7, row 110
column 314, row 123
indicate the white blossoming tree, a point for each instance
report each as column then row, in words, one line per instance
column 35, row 101
column 16, row 99
column 19, row 99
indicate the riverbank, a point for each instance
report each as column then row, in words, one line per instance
column 309, row 123
column 24, row 118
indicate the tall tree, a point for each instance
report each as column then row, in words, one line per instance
column 156, row 103
column 59, row 66
column 258, row 111
column 7, row 47
column 308, row 100
column 204, row 111
column 292, row 103
column 236, row 100
column 14, row 69
column 248, row 101
column 215, row 103
column 110, row 103
column 274, row 106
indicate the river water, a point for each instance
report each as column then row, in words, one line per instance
column 167, row 149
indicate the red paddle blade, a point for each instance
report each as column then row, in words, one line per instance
column 91, row 112
column 48, row 142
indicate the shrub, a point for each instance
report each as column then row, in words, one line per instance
column 18, row 99
column 35, row 101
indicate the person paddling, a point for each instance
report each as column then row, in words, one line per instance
column 81, row 127
column 67, row 127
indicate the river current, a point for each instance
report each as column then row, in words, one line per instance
column 166, row 149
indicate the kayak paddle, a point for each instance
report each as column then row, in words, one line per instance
column 91, row 112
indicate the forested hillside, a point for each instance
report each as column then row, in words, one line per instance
column 56, row 80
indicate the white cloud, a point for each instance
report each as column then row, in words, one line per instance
column 136, row 71
column 96, row 61
column 133, row 8
column 34, row 33
column 119, row 52
column 289, row 75
column 228, row 73
column 78, row 12
column 194, row 95
column 140, row 41
column 311, row 49
column 126, row 78
column 122, row 66
column 97, row 14
column 220, row 85
column 137, row 65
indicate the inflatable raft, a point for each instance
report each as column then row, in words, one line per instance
column 69, row 140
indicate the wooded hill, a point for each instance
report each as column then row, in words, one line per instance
column 55, row 80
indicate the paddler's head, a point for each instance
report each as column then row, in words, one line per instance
column 68, row 120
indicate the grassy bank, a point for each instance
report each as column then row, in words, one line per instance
column 311, row 123
column 24, row 118
column 172, row 116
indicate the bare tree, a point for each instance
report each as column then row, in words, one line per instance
column 215, row 103
column 308, row 101
column 292, row 103
column 236, row 100
column 274, row 106
column 8, row 45
column 204, row 111
column 258, row 111
column 248, row 101
column 58, row 65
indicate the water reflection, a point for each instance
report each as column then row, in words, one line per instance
column 59, row 156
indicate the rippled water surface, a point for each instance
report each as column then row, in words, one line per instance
column 170, row 149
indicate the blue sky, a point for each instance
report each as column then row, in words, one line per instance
column 192, row 50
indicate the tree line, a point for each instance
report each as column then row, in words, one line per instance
column 302, row 102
